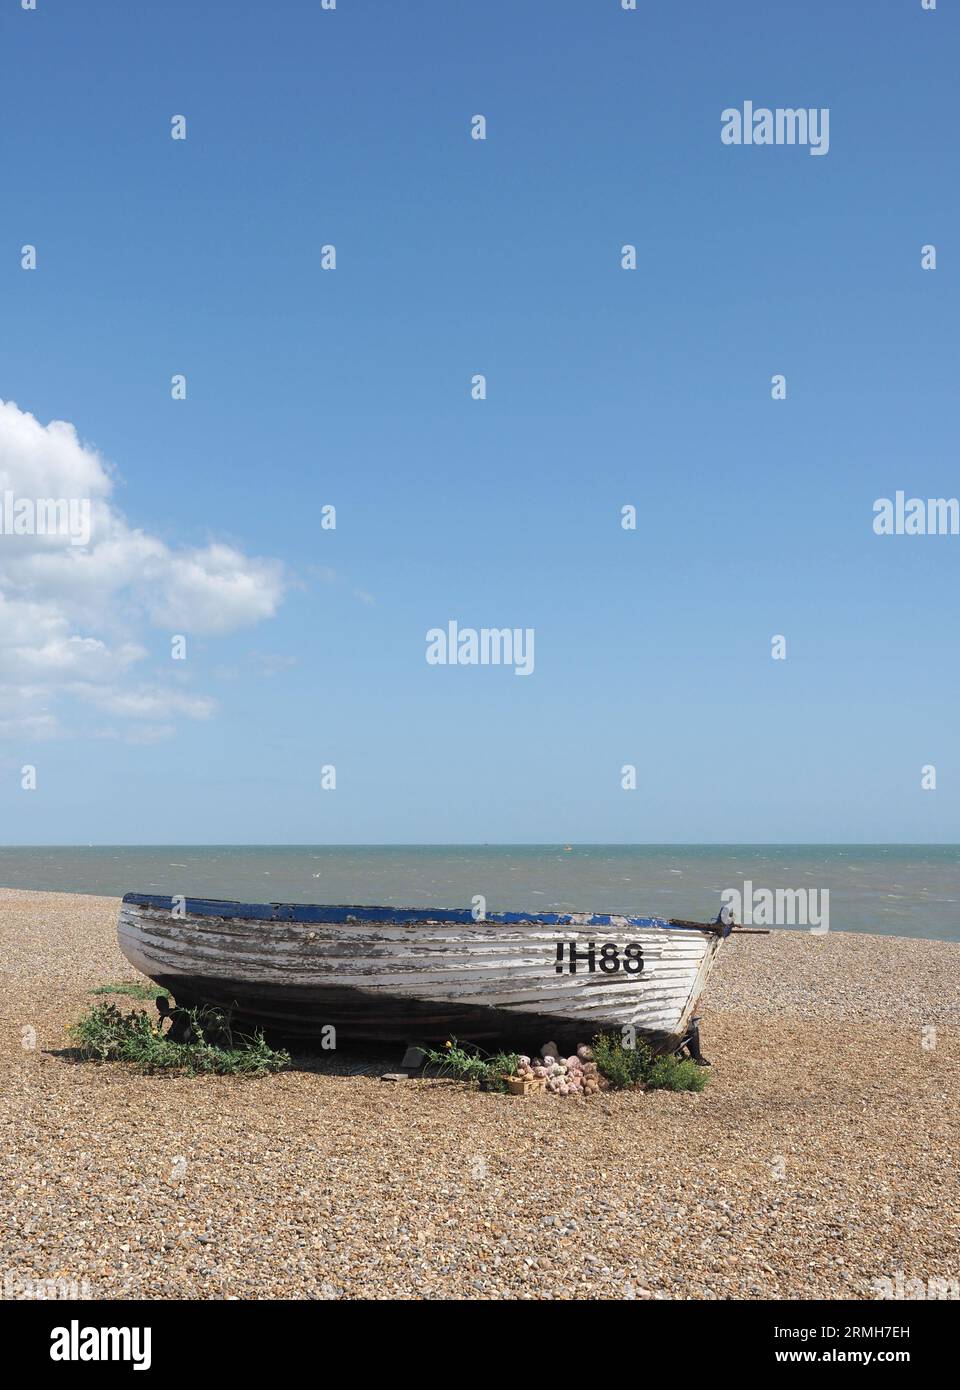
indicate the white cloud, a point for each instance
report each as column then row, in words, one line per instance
column 72, row 617
column 145, row 702
column 217, row 590
column 23, row 713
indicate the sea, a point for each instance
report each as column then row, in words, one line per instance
column 890, row 890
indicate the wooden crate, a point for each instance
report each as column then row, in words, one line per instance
column 526, row 1085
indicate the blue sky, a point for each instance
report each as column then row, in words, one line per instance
column 605, row 388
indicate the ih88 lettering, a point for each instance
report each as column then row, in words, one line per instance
column 605, row 958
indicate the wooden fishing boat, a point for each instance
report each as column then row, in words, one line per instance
column 384, row 973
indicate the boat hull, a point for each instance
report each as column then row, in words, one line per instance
column 383, row 974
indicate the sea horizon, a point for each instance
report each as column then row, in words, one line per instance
column 889, row 889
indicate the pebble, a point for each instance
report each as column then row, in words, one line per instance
column 821, row 1157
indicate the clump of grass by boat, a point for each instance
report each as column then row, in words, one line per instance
column 466, row 1062
column 133, row 989
column 105, row 1033
column 608, row 1063
column 673, row 1074
column 626, row 1067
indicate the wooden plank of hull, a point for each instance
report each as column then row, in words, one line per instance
column 387, row 980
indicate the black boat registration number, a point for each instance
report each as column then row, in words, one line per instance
column 605, row 957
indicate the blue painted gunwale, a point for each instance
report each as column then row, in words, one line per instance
column 401, row 916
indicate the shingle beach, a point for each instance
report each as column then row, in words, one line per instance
column 821, row 1159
